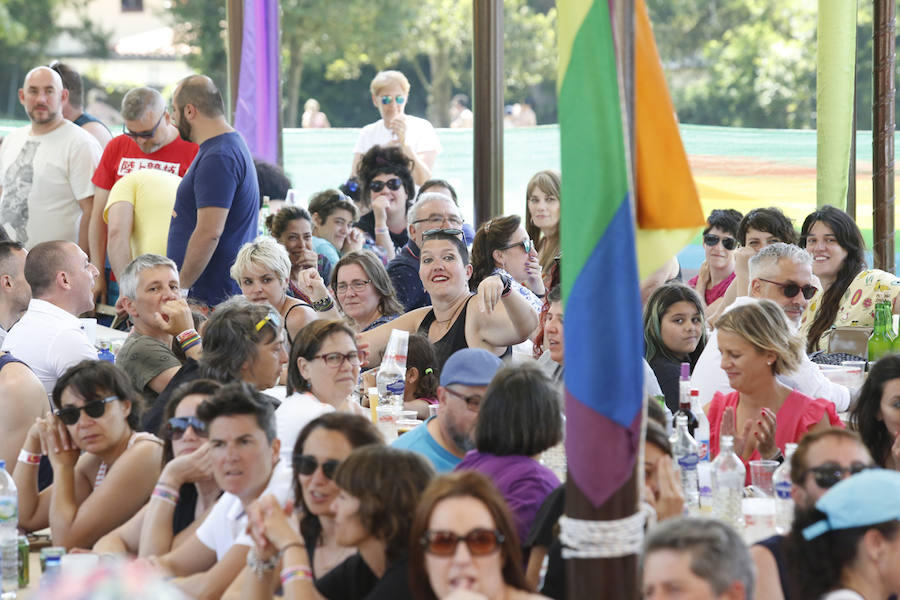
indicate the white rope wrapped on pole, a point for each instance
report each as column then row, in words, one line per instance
column 605, row 539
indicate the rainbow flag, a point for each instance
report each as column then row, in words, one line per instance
column 604, row 340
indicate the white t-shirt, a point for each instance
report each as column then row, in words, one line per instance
column 709, row 378
column 226, row 523
column 43, row 178
column 292, row 416
column 49, row 340
column 420, row 136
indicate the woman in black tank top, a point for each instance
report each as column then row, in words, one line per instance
column 492, row 318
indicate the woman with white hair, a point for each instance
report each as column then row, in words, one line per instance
column 262, row 269
column 415, row 136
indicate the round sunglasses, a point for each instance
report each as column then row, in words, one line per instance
column 792, row 289
column 729, row 243
column 388, row 99
column 480, row 542
column 94, row 409
column 392, row 184
column 306, row 464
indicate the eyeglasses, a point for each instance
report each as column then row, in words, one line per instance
column 143, row 134
column 792, row 289
column 527, row 244
column 393, row 184
column 336, row 359
column 179, row 426
column 437, row 220
column 830, row 473
column 473, row 402
column 357, row 285
column 711, row 240
column 305, row 464
column 451, row 231
column 95, row 409
column 480, row 542
column 273, row 319
column 388, row 99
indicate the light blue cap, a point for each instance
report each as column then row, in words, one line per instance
column 867, row 498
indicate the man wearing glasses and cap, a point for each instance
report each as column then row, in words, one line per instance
column 782, row 273
column 149, row 141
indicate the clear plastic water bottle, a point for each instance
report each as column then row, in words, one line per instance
column 701, row 433
column 784, row 502
column 105, row 353
column 391, row 378
column 686, row 452
column 9, row 535
column 728, row 484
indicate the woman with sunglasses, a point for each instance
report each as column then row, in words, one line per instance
column 103, row 470
column 322, row 445
column 415, row 136
column 387, row 188
column 674, row 333
column 717, row 271
column 518, row 419
column 848, row 546
column 465, row 543
column 876, row 415
column 542, row 202
column 364, row 291
column 495, row 321
column 262, row 268
column 379, row 488
column 848, row 289
column 763, row 414
column 502, row 246
column 163, row 523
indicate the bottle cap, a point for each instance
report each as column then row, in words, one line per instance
column 685, row 371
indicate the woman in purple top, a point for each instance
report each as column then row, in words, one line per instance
column 518, row 419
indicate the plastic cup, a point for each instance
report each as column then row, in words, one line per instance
column 759, row 518
column 761, row 472
column 387, row 422
column 406, row 425
column 408, row 415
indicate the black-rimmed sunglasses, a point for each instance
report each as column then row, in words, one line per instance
column 95, row 409
column 792, row 289
column 526, row 244
column 480, row 542
column 393, row 184
column 306, row 464
column 179, row 425
column 143, row 134
column 829, row 474
column 431, row 232
column 711, row 239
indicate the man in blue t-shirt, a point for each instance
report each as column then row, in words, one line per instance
column 446, row 438
column 217, row 204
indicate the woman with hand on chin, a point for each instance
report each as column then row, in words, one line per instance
column 763, row 414
column 542, row 202
column 379, row 488
column 103, row 470
column 292, row 227
column 848, row 289
column 496, row 319
column 502, row 246
column 387, row 187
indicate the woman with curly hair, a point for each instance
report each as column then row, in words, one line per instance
column 387, row 188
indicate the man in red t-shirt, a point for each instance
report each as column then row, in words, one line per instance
column 149, row 141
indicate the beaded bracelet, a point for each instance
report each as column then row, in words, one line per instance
column 323, row 305
column 29, row 458
column 290, row 574
column 187, row 339
column 166, row 494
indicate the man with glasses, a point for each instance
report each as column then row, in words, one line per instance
column 782, row 273
column 821, row 459
column 431, row 211
column 446, row 438
column 46, row 192
column 149, row 142
column 415, row 136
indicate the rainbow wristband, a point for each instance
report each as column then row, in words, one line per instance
column 290, row 574
column 165, row 494
column 188, row 339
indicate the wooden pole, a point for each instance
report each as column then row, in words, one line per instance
column 883, row 136
column 851, row 178
column 488, row 108
column 235, row 15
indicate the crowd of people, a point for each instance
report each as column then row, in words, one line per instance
column 231, row 446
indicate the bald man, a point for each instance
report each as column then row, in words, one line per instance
column 217, row 204
column 45, row 169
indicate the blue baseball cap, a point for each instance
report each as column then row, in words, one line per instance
column 867, row 498
column 470, row 366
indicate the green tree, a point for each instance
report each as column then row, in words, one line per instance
column 26, row 28
column 203, row 27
